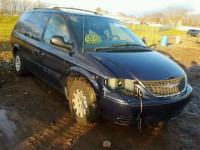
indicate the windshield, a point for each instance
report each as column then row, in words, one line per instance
column 96, row 32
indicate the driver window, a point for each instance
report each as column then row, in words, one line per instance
column 56, row 26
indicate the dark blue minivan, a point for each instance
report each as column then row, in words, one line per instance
column 101, row 66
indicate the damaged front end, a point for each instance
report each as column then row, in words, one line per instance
column 124, row 86
column 127, row 87
column 128, row 101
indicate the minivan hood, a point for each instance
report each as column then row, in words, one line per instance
column 139, row 65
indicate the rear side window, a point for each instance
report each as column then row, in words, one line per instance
column 32, row 24
column 56, row 26
column 37, row 24
column 22, row 24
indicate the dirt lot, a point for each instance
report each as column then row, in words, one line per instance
column 33, row 115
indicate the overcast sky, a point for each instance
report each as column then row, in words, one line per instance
column 134, row 7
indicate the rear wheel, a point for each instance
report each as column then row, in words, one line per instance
column 19, row 64
column 82, row 100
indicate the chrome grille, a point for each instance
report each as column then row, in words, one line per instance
column 165, row 87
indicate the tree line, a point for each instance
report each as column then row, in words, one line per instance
column 17, row 7
column 174, row 15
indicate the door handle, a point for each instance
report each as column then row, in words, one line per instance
column 35, row 51
column 41, row 53
column 38, row 52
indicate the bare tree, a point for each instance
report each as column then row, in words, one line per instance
column 122, row 14
column 24, row 6
column 156, row 17
column 176, row 15
column 98, row 10
column 4, row 6
column 101, row 11
column 19, row 6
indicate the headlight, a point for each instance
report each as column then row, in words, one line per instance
column 124, row 86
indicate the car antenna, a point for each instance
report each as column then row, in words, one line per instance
column 83, row 45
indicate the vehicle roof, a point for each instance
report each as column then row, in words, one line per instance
column 67, row 11
column 194, row 29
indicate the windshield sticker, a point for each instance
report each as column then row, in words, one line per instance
column 93, row 39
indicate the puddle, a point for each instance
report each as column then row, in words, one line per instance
column 6, row 126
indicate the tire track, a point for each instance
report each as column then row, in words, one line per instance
column 62, row 135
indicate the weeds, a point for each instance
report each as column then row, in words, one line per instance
column 152, row 34
column 7, row 23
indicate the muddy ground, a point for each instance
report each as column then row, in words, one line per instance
column 33, row 115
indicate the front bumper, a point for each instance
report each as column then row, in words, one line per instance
column 125, row 110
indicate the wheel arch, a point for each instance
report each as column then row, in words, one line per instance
column 15, row 49
column 77, row 72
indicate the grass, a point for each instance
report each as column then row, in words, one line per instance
column 152, row 34
column 7, row 23
column 174, row 32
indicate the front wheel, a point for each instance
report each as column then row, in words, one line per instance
column 82, row 100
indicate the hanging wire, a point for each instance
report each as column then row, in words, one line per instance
column 139, row 120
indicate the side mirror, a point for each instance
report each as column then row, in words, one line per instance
column 59, row 41
column 144, row 40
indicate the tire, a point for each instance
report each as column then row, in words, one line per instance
column 82, row 101
column 20, row 65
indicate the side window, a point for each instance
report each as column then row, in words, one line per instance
column 37, row 24
column 32, row 24
column 22, row 24
column 56, row 26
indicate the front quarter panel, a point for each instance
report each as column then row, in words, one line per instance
column 91, row 77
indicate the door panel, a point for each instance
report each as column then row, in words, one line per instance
column 29, row 29
column 54, row 66
column 53, row 61
column 31, row 58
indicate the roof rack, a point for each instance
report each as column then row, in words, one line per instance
column 42, row 8
column 59, row 8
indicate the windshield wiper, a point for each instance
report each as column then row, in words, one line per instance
column 102, row 48
column 127, row 44
column 121, row 49
column 114, row 46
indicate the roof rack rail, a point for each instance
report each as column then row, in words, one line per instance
column 42, row 8
column 59, row 8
